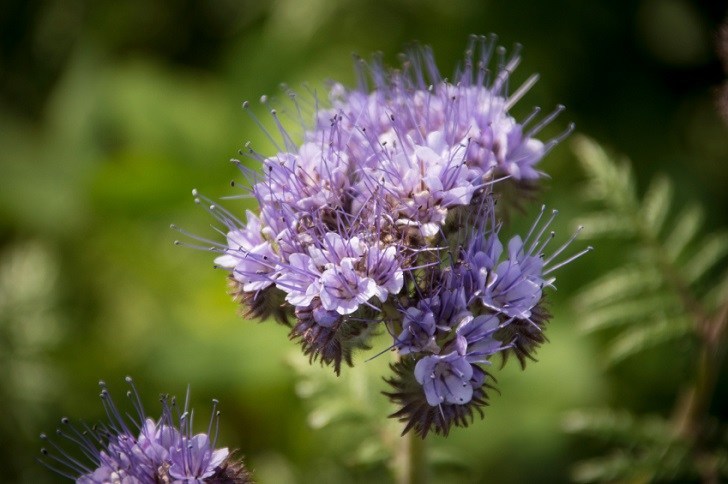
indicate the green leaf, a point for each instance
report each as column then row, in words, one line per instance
column 713, row 248
column 618, row 285
column 618, row 426
column 603, row 469
column 605, row 224
column 610, row 182
column 593, row 158
column 605, row 423
column 630, row 312
column 596, row 163
column 685, row 228
column 656, row 204
column 648, row 447
column 641, row 337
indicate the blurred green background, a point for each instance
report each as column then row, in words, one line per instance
column 111, row 112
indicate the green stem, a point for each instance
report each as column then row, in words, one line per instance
column 712, row 335
column 692, row 409
column 411, row 460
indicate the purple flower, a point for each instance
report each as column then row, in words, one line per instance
column 299, row 279
column 383, row 212
column 249, row 256
column 450, row 378
column 471, row 111
column 143, row 450
column 307, row 179
column 514, row 285
column 194, row 458
column 415, row 409
column 446, row 378
column 475, row 337
column 343, row 288
column 418, row 328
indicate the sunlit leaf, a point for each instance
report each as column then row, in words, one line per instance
column 712, row 249
column 685, row 228
column 605, row 224
column 622, row 283
column 656, row 204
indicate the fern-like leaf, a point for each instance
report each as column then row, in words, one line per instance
column 660, row 292
column 713, row 248
column 685, row 229
column 617, row 426
column 656, row 205
column 647, row 334
column 605, row 224
column 618, row 285
column 616, row 315
column 653, row 297
column 649, row 449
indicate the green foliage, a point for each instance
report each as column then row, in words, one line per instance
column 655, row 294
column 668, row 287
column 112, row 111
column 349, row 410
column 649, row 450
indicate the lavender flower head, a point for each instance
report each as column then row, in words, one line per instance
column 386, row 213
column 140, row 450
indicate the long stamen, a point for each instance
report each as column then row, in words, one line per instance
column 569, row 260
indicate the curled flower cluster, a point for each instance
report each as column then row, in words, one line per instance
column 387, row 214
column 141, row 450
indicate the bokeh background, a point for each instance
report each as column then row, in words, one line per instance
column 111, row 112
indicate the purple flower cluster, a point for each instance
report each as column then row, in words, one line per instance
column 387, row 214
column 143, row 450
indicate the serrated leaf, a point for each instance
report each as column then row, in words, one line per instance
column 712, row 249
column 630, row 312
column 685, row 228
column 647, row 335
column 656, row 204
column 603, row 224
column 620, row 284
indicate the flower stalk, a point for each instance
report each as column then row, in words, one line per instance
column 411, row 460
column 692, row 408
